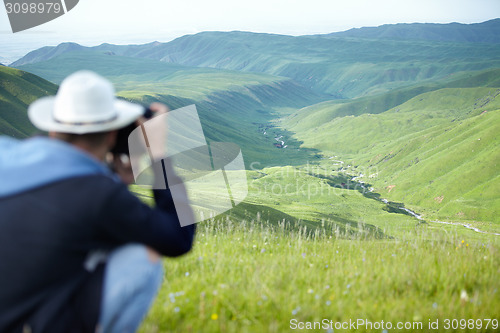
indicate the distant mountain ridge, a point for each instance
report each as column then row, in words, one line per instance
column 47, row 53
column 341, row 67
column 486, row 32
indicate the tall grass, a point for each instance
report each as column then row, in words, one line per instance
column 253, row 276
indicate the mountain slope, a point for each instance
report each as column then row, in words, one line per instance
column 449, row 172
column 320, row 114
column 17, row 90
column 437, row 152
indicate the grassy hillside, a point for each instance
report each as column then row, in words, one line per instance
column 450, row 172
column 241, row 277
column 17, row 90
column 327, row 126
column 457, row 103
column 437, row 152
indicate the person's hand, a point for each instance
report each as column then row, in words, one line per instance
column 121, row 164
column 156, row 130
column 157, row 108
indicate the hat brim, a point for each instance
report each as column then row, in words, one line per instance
column 40, row 114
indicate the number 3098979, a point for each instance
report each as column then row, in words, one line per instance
column 33, row 8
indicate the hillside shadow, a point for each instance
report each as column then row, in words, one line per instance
column 237, row 117
column 282, row 147
column 348, row 182
column 326, row 225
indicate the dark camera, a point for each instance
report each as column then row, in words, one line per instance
column 121, row 146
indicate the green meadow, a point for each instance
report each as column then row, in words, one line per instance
column 250, row 276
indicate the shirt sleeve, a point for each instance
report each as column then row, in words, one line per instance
column 126, row 219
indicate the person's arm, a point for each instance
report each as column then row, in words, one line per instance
column 126, row 219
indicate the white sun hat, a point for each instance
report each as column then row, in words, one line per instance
column 84, row 103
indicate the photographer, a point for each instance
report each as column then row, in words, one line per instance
column 78, row 251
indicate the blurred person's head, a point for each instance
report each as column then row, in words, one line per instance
column 85, row 113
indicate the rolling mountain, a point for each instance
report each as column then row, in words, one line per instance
column 342, row 67
column 17, row 90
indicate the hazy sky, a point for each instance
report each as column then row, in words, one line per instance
column 93, row 22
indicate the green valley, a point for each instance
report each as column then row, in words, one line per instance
column 418, row 130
